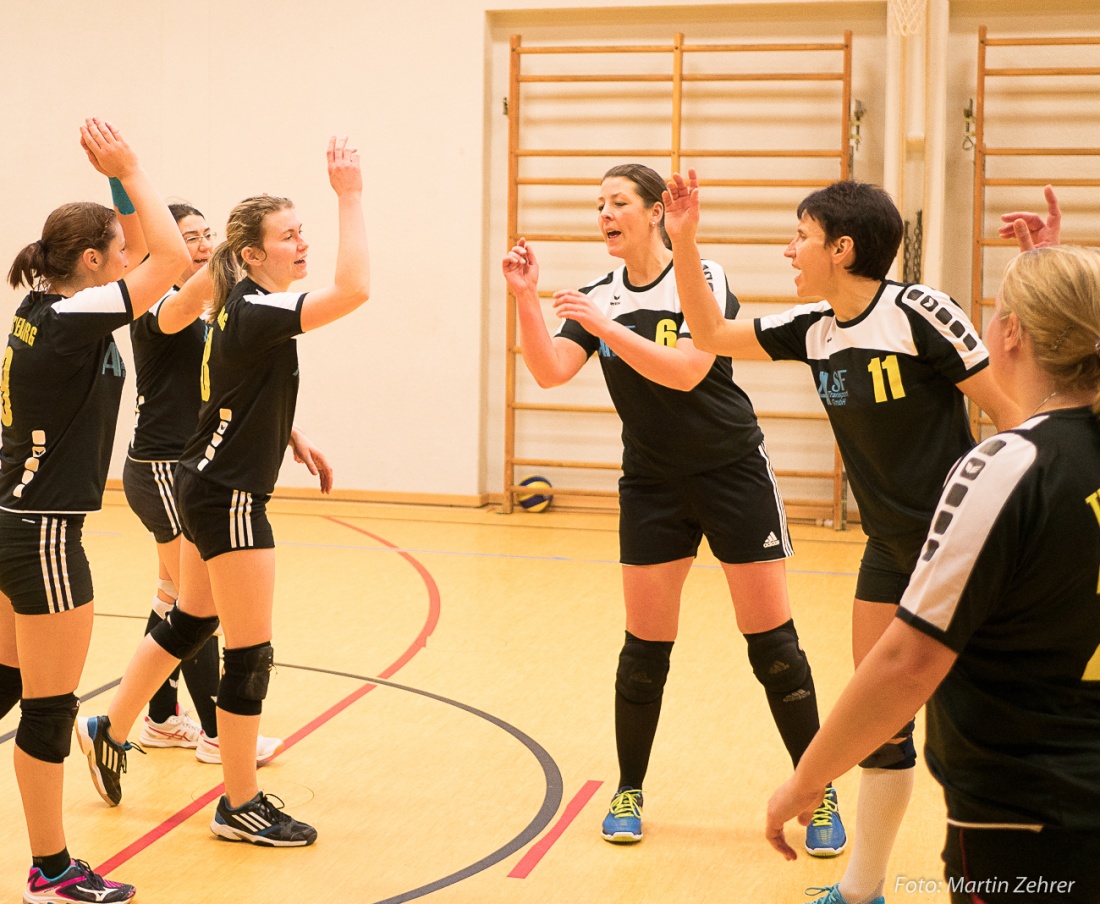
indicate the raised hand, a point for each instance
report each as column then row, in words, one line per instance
column 681, row 200
column 1030, row 230
column 91, row 157
column 107, row 149
column 344, row 172
column 521, row 269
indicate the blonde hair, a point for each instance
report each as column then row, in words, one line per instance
column 1055, row 292
column 245, row 229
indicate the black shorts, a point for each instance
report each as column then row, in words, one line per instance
column 220, row 520
column 737, row 507
column 1013, row 866
column 43, row 568
column 887, row 566
column 149, row 491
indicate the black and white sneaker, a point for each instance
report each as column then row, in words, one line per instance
column 261, row 822
column 106, row 757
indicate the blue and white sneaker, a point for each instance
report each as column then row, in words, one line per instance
column 623, row 822
column 825, row 835
column 261, row 822
column 832, row 895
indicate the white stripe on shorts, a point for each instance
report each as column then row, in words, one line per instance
column 162, row 476
column 788, row 547
column 240, row 520
column 55, row 567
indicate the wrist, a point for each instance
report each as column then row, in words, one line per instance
column 119, row 198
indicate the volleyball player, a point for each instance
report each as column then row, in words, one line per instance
column 694, row 464
column 892, row 363
column 168, row 345
column 226, row 474
column 60, row 392
column 999, row 629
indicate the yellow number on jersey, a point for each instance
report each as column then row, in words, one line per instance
column 5, row 394
column 1093, row 501
column 893, row 372
column 666, row 333
column 1092, row 669
column 204, row 375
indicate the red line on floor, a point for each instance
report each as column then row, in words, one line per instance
column 181, row 816
column 539, row 849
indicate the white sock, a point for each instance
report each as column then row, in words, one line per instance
column 883, row 796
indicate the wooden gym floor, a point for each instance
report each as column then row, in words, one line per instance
column 444, row 684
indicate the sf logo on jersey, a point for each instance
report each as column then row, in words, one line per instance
column 835, row 392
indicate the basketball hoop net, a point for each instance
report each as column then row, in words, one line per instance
column 906, row 16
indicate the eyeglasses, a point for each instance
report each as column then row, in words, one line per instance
column 207, row 236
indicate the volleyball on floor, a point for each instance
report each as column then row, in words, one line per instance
column 537, row 496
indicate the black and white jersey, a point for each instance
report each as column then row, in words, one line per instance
column 669, row 431
column 62, row 384
column 1008, row 579
column 166, row 366
column 887, row 381
column 249, row 388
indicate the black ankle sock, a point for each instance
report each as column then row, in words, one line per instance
column 11, row 688
column 53, row 865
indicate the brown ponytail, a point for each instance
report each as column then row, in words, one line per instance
column 68, row 232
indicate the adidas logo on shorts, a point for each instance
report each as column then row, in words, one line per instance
column 771, row 541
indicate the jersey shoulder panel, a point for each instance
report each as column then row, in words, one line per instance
column 784, row 336
column 945, row 324
column 975, row 494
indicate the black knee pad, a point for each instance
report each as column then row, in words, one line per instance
column 901, row 755
column 11, row 688
column 182, row 635
column 778, row 661
column 244, row 683
column 643, row 669
column 45, row 729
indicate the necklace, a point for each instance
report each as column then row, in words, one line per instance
column 1042, row 403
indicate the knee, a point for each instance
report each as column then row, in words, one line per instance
column 900, row 753
column 46, row 727
column 244, row 683
column 778, row 661
column 643, row 669
column 182, row 635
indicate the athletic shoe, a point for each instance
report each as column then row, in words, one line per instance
column 106, row 757
column 179, row 730
column 209, row 751
column 832, row 895
column 623, row 822
column 77, row 883
column 825, row 835
column 261, row 822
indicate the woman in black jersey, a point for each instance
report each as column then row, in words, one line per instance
column 893, row 364
column 61, row 387
column 694, row 464
column 168, row 345
column 999, row 629
column 249, row 385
